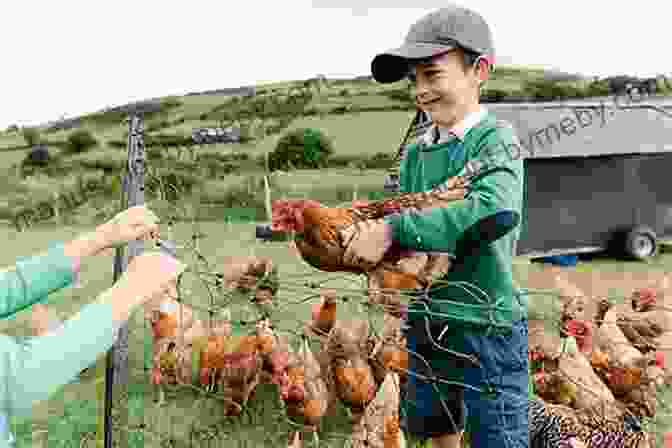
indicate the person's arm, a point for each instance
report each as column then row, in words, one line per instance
column 86, row 245
column 62, row 353
column 491, row 209
column 32, row 279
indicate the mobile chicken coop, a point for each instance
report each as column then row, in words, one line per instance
column 595, row 176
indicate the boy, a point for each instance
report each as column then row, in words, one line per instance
column 448, row 54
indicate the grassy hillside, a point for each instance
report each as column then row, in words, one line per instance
column 361, row 117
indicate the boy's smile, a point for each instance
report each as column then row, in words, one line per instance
column 445, row 88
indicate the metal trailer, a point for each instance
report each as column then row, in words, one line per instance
column 595, row 175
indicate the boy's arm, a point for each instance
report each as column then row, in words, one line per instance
column 491, row 209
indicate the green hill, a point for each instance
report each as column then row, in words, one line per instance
column 363, row 119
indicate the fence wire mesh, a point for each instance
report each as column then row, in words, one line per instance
column 206, row 295
column 266, row 302
column 191, row 407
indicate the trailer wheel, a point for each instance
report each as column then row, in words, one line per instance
column 641, row 243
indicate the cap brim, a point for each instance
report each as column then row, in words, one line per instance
column 394, row 65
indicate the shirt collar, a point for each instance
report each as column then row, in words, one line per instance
column 460, row 130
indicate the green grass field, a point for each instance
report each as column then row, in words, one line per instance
column 70, row 415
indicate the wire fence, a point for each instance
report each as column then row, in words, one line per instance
column 647, row 415
column 249, row 311
column 244, row 312
column 352, row 382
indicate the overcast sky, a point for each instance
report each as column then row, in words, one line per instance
column 69, row 57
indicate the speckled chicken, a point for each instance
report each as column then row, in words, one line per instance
column 554, row 426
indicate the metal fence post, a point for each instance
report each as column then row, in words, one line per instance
column 133, row 193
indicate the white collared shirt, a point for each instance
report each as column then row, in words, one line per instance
column 459, row 130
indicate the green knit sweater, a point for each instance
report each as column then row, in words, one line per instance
column 461, row 227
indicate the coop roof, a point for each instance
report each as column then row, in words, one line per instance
column 588, row 128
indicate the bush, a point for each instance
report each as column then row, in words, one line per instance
column 380, row 160
column 158, row 125
column 118, row 144
column 38, row 157
column 277, row 125
column 31, row 136
column 493, row 95
column 170, row 102
column 543, row 89
column 663, row 84
column 301, row 148
column 109, row 161
column 175, row 183
column 402, row 95
column 340, row 110
column 80, row 141
column 598, row 88
column 167, row 140
column 517, row 96
column 343, row 161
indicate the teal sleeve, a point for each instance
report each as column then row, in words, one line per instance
column 34, row 371
column 32, row 279
column 496, row 194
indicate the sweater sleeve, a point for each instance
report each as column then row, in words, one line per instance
column 32, row 279
column 491, row 209
column 62, row 353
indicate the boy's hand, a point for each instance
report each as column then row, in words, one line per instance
column 366, row 243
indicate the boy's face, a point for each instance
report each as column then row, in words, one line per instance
column 446, row 89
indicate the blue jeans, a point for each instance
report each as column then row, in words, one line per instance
column 491, row 400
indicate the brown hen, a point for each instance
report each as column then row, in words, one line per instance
column 318, row 227
column 355, row 383
column 324, row 313
column 304, row 391
column 234, row 362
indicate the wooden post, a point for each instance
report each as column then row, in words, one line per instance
column 269, row 210
column 57, row 211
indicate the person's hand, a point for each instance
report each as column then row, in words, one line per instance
column 131, row 224
column 150, row 274
column 366, row 243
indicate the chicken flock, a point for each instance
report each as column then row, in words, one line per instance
column 617, row 360
column 603, row 384
column 353, row 364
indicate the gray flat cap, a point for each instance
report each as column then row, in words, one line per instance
column 433, row 34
